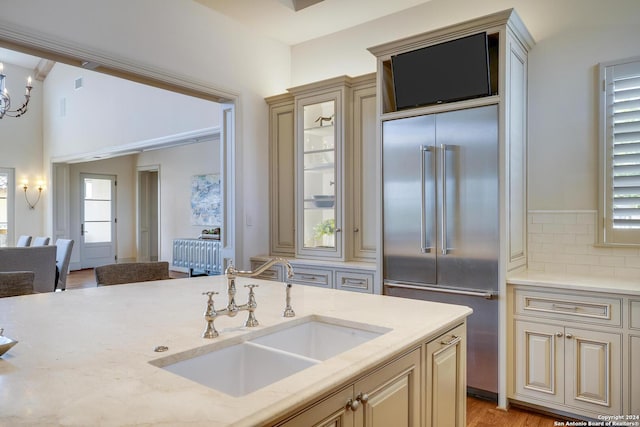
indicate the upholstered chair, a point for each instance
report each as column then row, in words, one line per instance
column 40, row 241
column 131, row 272
column 23, row 241
column 15, row 283
column 63, row 255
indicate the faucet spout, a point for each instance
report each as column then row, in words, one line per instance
column 233, row 272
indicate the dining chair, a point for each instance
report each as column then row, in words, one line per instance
column 63, row 255
column 23, row 241
column 131, row 272
column 15, row 283
column 40, row 241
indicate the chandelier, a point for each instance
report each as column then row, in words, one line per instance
column 5, row 99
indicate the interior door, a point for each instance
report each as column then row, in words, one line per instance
column 98, row 220
column 148, row 215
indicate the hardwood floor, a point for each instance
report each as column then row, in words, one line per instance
column 480, row 413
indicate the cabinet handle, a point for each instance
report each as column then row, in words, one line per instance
column 353, row 404
column 565, row 307
column 303, row 276
column 454, row 340
column 569, row 336
column 559, row 334
column 338, row 230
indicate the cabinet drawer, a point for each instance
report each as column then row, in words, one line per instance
column 272, row 273
column 312, row 276
column 606, row 311
column 634, row 317
column 354, row 281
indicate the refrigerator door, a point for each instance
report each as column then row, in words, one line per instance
column 409, row 221
column 467, row 173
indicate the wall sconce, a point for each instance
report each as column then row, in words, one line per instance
column 25, row 187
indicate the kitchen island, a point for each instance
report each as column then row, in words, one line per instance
column 87, row 356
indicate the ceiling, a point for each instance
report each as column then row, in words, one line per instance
column 289, row 21
column 278, row 19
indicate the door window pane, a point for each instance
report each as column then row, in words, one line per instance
column 96, row 232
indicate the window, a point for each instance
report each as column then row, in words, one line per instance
column 7, row 193
column 620, row 152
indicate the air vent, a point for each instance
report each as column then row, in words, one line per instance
column 79, row 83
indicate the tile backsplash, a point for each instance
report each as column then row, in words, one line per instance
column 565, row 242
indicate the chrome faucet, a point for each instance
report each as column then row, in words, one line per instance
column 232, row 308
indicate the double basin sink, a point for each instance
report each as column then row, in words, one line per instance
column 241, row 368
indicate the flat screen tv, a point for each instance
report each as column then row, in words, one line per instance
column 445, row 72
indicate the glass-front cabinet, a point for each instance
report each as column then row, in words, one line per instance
column 319, row 185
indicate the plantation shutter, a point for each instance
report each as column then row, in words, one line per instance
column 622, row 86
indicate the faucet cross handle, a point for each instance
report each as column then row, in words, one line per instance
column 210, row 294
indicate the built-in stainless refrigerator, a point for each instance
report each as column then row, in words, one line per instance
column 440, row 221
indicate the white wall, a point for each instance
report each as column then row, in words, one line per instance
column 108, row 112
column 572, row 37
column 188, row 40
column 177, row 166
column 21, row 149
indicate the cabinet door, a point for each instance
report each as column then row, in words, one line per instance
column 634, row 375
column 363, row 174
column 592, row 369
column 539, row 357
column 282, row 178
column 446, row 380
column 331, row 412
column 391, row 396
column 319, row 175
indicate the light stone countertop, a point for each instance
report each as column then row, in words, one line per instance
column 83, row 355
column 562, row 281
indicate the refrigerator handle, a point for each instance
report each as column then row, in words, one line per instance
column 425, row 248
column 443, row 206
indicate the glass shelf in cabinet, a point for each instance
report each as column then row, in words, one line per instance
column 318, row 167
column 320, row 130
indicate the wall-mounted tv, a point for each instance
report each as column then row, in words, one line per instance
column 445, row 72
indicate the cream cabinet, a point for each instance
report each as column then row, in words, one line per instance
column 390, row 396
column 281, row 175
column 319, row 174
column 568, row 351
column 575, row 367
column 362, row 173
column 445, row 374
column 323, row 170
column 634, row 356
column 424, row 387
column 348, row 276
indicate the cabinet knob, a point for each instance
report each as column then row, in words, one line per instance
column 569, row 336
column 355, row 230
column 559, row 334
column 363, row 397
column 353, row 404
